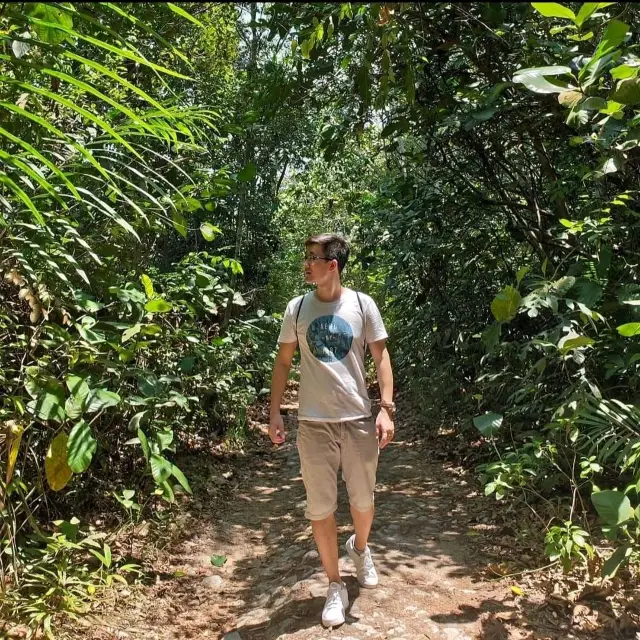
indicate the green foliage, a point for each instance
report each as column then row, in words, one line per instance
column 61, row 577
column 112, row 356
column 567, row 543
column 488, row 424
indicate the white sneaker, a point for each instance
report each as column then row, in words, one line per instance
column 335, row 605
column 366, row 572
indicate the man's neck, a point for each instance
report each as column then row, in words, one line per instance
column 329, row 291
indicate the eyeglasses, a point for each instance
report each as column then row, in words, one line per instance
column 313, row 258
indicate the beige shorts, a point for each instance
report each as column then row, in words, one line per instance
column 323, row 448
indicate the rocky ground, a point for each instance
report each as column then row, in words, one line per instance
column 437, row 544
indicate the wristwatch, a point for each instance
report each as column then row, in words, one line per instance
column 390, row 407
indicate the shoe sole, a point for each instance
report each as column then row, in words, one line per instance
column 364, row 586
column 368, row 586
column 332, row 624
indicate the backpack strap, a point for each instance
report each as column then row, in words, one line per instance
column 298, row 313
column 364, row 321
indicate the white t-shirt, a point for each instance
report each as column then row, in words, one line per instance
column 330, row 335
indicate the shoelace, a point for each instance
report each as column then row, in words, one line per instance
column 334, row 597
column 368, row 562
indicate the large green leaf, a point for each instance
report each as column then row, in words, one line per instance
column 553, row 10
column 158, row 305
column 88, row 334
column 488, row 424
column 81, row 447
column 179, row 223
column 585, row 291
column 624, row 71
column 505, row 305
column 629, row 330
column 612, row 506
column 48, row 19
column 491, row 336
column 181, row 478
column 102, row 399
column 50, row 402
column 534, row 78
column 138, row 420
column 147, row 283
column 209, row 231
column 628, row 92
column 612, row 38
column 73, row 408
column 78, row 388
column 587, row 9
column 164, row 438
column 127, row 334
column 573, row 341
column 617, row 559
column 56, row 467
column 605, row 54
column 149, row 384
column 161, row 468
column 144, row 443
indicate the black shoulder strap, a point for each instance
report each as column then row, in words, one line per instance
column 298, row 312
column 364, row 320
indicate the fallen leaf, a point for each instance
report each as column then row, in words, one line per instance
column 497, row 569
column 218, row 561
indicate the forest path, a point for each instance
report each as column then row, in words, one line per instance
column 433, row 541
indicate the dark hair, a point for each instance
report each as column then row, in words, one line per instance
column 335, row 247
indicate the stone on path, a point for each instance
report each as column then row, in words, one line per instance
column 214, row 583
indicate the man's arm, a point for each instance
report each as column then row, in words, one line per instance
column 384, row 421
column 279, row 379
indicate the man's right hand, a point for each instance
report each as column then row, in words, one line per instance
column 276, row 429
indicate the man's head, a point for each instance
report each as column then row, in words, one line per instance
column 325, row 257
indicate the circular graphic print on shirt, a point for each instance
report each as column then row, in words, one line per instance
column 329, row 338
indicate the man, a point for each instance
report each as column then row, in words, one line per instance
column 332, row 325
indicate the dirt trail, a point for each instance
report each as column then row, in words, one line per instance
column 426, row 541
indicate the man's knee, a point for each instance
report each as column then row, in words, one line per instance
column 362, row 507
column 318, row 515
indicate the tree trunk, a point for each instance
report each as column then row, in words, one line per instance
column 248, row 156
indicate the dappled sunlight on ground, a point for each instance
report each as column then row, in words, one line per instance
column 430, row 540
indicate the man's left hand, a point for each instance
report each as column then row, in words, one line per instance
column 385, row 428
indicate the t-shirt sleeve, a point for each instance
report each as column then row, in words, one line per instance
column 288, row 328
column 375, row 329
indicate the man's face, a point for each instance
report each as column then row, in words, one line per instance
column 316, row 267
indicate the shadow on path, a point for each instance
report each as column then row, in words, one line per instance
column 425, row 542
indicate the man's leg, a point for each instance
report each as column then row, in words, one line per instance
column 325, row 533
column 319, row 449
column 359, row 462
column 362, row 521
